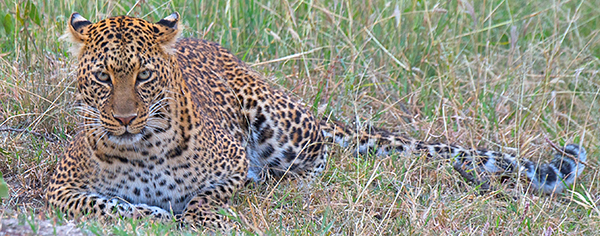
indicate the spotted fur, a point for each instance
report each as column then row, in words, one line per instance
column 548, row 178
column 173, row 127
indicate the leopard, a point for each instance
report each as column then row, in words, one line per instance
column 172, row 127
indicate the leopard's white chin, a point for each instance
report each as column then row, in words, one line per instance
column 126, row 138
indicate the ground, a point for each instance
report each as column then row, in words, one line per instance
column 504, row 75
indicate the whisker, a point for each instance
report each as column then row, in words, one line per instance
column 102, row 136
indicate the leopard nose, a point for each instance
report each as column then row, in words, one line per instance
column 125, row 119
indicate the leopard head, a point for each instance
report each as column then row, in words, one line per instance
column 125, row 69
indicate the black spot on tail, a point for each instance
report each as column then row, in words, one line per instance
column 546, row 175
column 421, row 146
column 505, row 164
column 565, row 167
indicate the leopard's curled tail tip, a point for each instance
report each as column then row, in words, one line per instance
column 578, row 153
column 561, row 172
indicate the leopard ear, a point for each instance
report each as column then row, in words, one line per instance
column 77, row 33
column 167, row 30
column 78, row 28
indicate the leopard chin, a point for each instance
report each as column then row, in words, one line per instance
column 126, row 138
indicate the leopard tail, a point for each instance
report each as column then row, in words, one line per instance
column 549, row 178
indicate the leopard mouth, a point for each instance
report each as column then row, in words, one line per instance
column 126, row 138
column 128, row 135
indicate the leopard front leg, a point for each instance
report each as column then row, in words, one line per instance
column 75, row 202
column 71, row 190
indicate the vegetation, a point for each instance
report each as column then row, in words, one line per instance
column 499, row 74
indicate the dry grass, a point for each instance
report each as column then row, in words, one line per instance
column 503, row 75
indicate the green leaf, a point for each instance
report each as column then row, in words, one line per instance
column 3, row 187
column 33, row 13
column 8, row 24
column 3, row 152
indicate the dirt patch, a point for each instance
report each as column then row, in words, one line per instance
column 43, row 227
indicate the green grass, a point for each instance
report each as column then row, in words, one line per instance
column 497, row 74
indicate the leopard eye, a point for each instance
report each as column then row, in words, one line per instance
column 144, row 75
column 102, row 76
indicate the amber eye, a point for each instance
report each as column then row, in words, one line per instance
column 102, row 76
column 144, row 75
